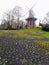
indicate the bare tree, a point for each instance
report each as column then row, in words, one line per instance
column 46, row 19
column 10, row 16
column 17, row 12
column 45, row 22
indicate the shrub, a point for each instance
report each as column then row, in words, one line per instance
column 45, row 27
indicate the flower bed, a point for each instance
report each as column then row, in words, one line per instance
column 19, row 51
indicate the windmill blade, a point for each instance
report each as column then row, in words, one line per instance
column 25, row 14
column 29, row 9
column 33, row 6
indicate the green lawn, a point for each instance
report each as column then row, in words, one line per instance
column 45, row 34
column 30, row 33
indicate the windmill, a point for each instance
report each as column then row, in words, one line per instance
column 31, row 19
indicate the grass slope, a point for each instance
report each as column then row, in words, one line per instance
column 31, row 33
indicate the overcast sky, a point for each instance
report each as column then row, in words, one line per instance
column 40, row 9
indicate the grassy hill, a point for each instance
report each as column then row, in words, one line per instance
column 29, row 33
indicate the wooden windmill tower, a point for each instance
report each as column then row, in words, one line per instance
column 31, row 19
